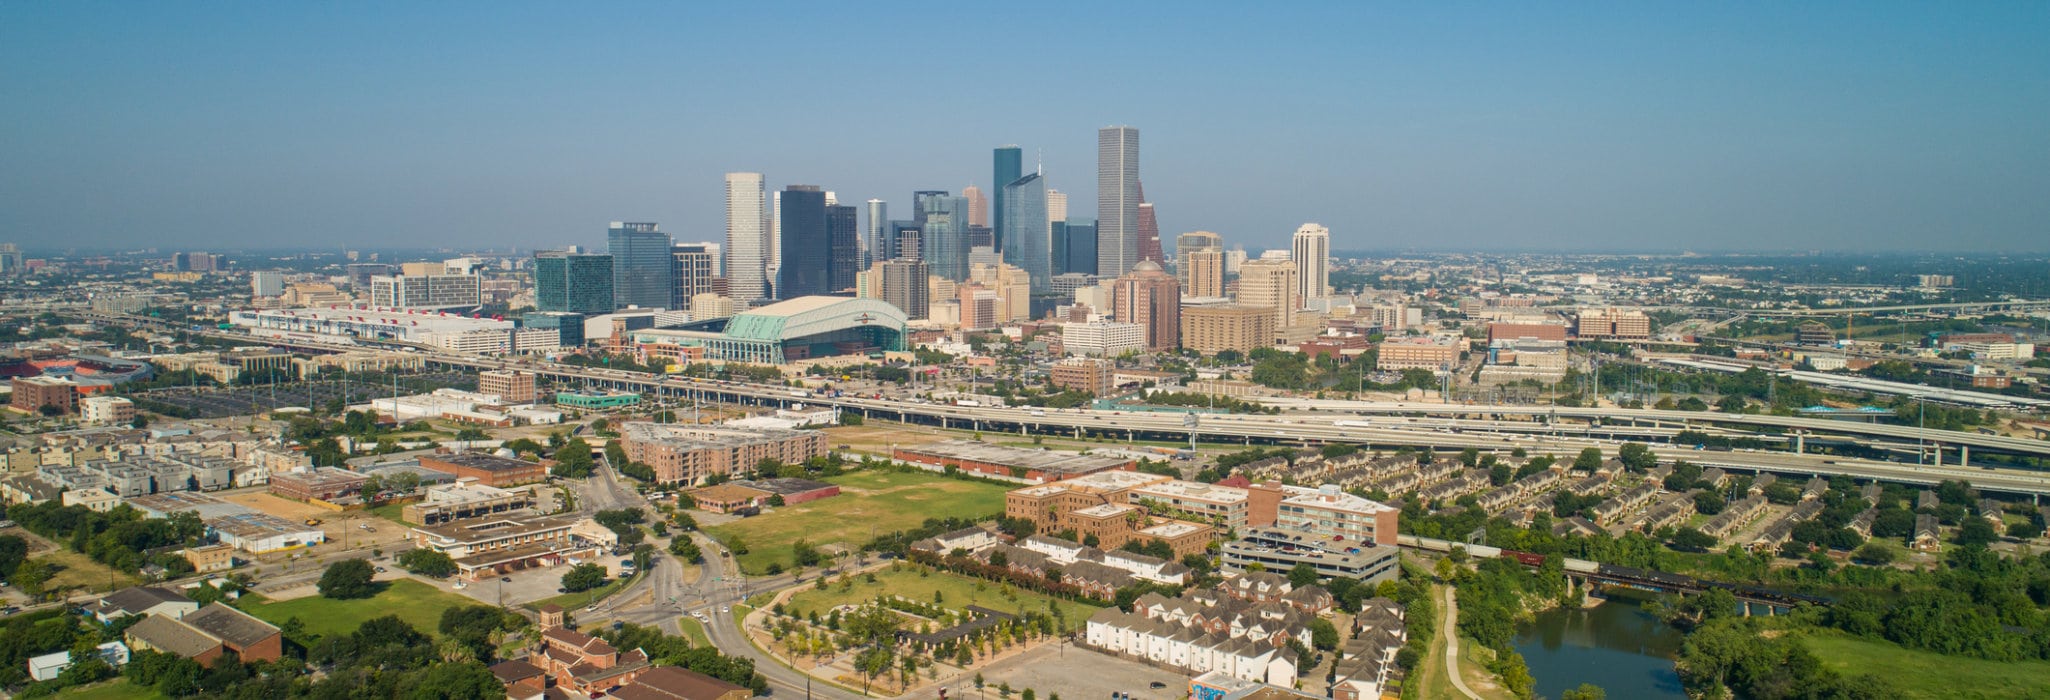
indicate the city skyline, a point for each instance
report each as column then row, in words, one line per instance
column 1655, row 128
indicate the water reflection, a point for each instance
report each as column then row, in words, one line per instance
column 1616, row 645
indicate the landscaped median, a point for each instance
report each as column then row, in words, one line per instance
column 585, row 599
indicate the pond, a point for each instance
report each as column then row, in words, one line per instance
column 1615, row 645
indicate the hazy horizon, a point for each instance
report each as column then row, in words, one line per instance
column 1547, row 129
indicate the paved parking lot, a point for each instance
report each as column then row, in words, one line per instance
column 528, row 585
column 1076, row 674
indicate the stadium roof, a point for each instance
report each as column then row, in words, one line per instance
column 803, row 316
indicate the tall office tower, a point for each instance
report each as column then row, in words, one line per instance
column 1271, row 283
column 1117, row 200
column 693, row 265
column 902, row 241
column 978, row 205
column 1084, row 254
column 774, row 264
column 1189, row 243
column 918, row 203
column 1149, row 233
column 844, row 236
column 902, row 283
column 1233, row 259
column 747, row 238
column 1026, row 244
column 807, row 247
column 874, row 248
column 1056, row 205
column 1151, row 298
column 1009, row 165
column 265, row 283
column 11, row 260
column 1312, row 255
column 1057, row 239
column 1203, row 272
column 944, row 237
column 642, row 268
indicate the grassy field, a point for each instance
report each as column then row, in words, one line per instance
column 1921, row 674
column 419, row 604
column 80, row 570
column 956, row 591
column 869, row 502
column 117, row 689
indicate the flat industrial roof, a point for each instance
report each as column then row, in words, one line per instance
column 1037, row 460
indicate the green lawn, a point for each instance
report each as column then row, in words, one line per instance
column 1921, row 674
column 956, row 591
column 390, row 511
column 582, row 599
column 419, row 604
column 694, row 631
column 869, row 502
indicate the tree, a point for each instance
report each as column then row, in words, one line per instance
column 1586, row 691
column 347, row 579
column 686, row 549
column 1589, row 460
column 1708, row 503
column 427, row 562
column 1303, row 574
column 573, row 460
column 1691, row 540
column 1874, row 553
column 1323, row 635
column 1976, row 531
column 1636, row 457
column 583, row 577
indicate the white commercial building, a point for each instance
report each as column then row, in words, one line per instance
column 265, row 283
column 1102, row 338
column 425, row 291
column 106, row 410
column 1312, row 256
column 747, row 233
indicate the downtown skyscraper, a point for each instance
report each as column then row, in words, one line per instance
column 807, row 243
column 1009, row 164
column 875, row 247
column 1117, row 200
column 573, row 282
column 643, row 272
column 844, row 238
column 747, row 238
column 1025, row 232
column 943, row 240
column 1311, row 251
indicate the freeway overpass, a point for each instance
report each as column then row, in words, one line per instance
column 1312, row 421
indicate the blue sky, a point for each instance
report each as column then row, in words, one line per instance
column 1446, row 126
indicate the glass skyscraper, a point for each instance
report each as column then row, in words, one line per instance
column 1025, row 231
column 807, row 245
column 1082, row 246
column 873, row 249
column 944, row 236
column 1009, row 166
column 573, row 282
column 643, row 272
column 845, row 239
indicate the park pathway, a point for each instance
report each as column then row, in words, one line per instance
column 1450, row 632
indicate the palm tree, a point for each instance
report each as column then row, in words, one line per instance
column 454, row 652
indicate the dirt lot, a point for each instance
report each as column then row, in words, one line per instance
column 343, row 528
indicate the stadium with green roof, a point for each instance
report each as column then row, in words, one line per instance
column 793, row 329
